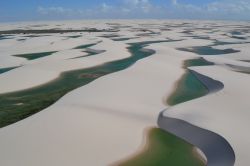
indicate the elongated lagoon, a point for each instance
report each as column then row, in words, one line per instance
column 4, row 70
column 189, row 86
column 19, row 105
column 32, row 56
column 163, row 147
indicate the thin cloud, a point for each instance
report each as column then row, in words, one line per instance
column 126, row 9
column 174, row 2
column 219, row 9
column 53, row 10
column 224, row 9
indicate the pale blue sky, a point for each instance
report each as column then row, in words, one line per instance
column 26, row 10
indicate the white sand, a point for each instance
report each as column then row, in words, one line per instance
column 104, row 121
column 100, row 120
column 225, row 112
column 43, row 70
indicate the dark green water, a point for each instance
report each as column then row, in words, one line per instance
column 189, row 87
column 85, row 46
column 122, row 39
column 89, row 53
column 33, row 56
column 3, row 70
column 19, row 105
column 196, row 62
column 110, row 35
column 208, row 50
column 164, row 149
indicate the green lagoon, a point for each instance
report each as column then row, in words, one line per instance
column 32, row 56
column 164, row 149
column 4, row 70
column 189, row 87
column 16, row 106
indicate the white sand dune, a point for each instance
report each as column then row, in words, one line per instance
column 43, row 70
column 104, row 121
column 216, row 149
column 113, row 111
column 225, row 112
